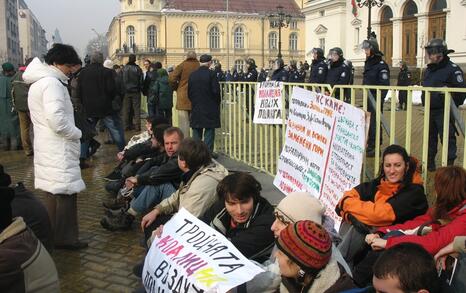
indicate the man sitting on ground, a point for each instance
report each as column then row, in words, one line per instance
column 151, row 187
column 243, row 216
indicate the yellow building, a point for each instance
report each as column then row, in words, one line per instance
column 164, row 30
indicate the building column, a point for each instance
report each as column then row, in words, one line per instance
column 397, row 40
column 422, row 37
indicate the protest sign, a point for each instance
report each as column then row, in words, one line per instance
column 190, row 256
column 323, row 149
column 268, row 105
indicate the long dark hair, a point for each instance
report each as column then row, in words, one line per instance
column 450, row 186
column 411, row 163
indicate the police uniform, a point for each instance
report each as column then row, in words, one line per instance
column 443, row 74
column 296, row 76
column 376, row 72
column 280, row 75
column 250, row 76
column 319, row 70
column 219, row 74
column 404, row 79
column 338, row 73
column 262, row 76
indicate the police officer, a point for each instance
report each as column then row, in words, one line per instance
column 404, row 79
column 376, row 72
column 295, row 75
column 441, row 72
column 319, row 67
column 218, row 72
column 250, row 76
column 234, row 74
column 279, row 73
column 262, row 75
column 338, row 71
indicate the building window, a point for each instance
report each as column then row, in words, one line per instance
column 151, row 37
column 239, row 64
column 356, row 36
column 322, row 44
column 214, row 38
column 293, row 42
column 239, row 38
column 131, row 36
column 273, row 39
column 294, row 25
column 188, row 37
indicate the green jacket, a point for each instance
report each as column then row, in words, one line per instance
column 163, row 93
column 19, row 92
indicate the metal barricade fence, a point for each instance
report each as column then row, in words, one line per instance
column 260, row 145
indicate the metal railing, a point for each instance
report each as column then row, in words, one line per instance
column 260, row 145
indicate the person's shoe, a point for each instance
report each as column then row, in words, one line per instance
column 114, row 176
column 75, row 246
column 115, row 213
column 83, row 164
column 122, row 222
column 137, row 269
column 114, row 204
column 93, row 147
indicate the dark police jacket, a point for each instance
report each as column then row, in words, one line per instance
column 443, row 74
column 296, row 76
column 404, row 78
column 376, row 72
column 251, row 75
column 280, row 75
column 319, row 70
column 338, row 73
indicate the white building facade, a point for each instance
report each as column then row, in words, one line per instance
column 32, row 38
column 403, row 27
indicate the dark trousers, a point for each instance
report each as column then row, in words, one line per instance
column 436, row 132
column 63, row 214
column 132, row 104
column 402, row 98
column 208, row 134
column 372, row 127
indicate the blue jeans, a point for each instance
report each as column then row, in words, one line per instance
column 150, row 196
column 208, row 134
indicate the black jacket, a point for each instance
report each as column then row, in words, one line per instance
column 280, row 75
column 444, row 74
column 251, row 75
column 318, row 71
column 168, row 171
column 97, row 89
column 296, row 76
column 132, row 78
column 338, row 73
column 404, row 78
column 151, row 77
column 204, row 94
column 140, row 150
column 253, row 239
column 376, row 72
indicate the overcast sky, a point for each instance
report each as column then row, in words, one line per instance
column 75, row 19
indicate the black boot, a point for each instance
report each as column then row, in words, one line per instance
column 121, row 221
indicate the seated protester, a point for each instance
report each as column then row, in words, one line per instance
column 305, row 260
column 135, row 159
column 406, row 267
column 25, row 266
column 243, row 216
column 395, row 196
column 153, row 186
column 296, row 206
column 26, row 205
column 143, row 137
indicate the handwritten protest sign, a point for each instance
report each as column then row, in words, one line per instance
column 268, row 105
column 323, row 150
column 190, row 256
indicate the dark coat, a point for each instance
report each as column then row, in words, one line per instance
column 253, row 239
column 376, row 72
column 404, row 78
column 168, row 171
column 132, row 78
column 96, row 86
column 444, row 74
column 204, row 94
column 318, row 71
column 338, row 73
column 251, row 75
column 19, row 92
column 280, row 75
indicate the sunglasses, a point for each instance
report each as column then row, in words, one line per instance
column 282, row 218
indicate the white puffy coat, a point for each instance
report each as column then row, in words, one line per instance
column 56, row 138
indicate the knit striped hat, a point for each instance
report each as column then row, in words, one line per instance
column 307, row 244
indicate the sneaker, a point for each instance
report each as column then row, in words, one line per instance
column 114, row 176
column 122, row 222
column 93, row 147
column 125, row 192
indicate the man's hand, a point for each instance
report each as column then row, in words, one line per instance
column 378, row 244
column 131, row 182
column 371, row 237
column 157, row 232
column 149, row 218
column 120, row 155
column 442, row 255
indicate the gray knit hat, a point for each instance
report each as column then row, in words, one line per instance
column 299, row 206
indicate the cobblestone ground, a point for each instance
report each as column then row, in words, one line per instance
column 106, row 266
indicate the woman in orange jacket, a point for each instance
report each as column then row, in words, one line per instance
column 395, row 196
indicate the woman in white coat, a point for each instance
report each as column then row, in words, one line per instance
column 56, row 141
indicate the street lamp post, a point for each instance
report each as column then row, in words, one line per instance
column 369, row 4
column 279, row 20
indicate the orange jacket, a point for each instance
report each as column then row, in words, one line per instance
column 381, row 203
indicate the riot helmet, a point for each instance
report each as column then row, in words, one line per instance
column 335, row 54
column 318, row 52
column 437, row 46
column 278, row 64
column 251, row 64
column 372, row 45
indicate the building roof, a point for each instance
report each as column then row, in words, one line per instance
column 241, row 6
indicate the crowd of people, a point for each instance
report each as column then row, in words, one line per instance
column 387, row 222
